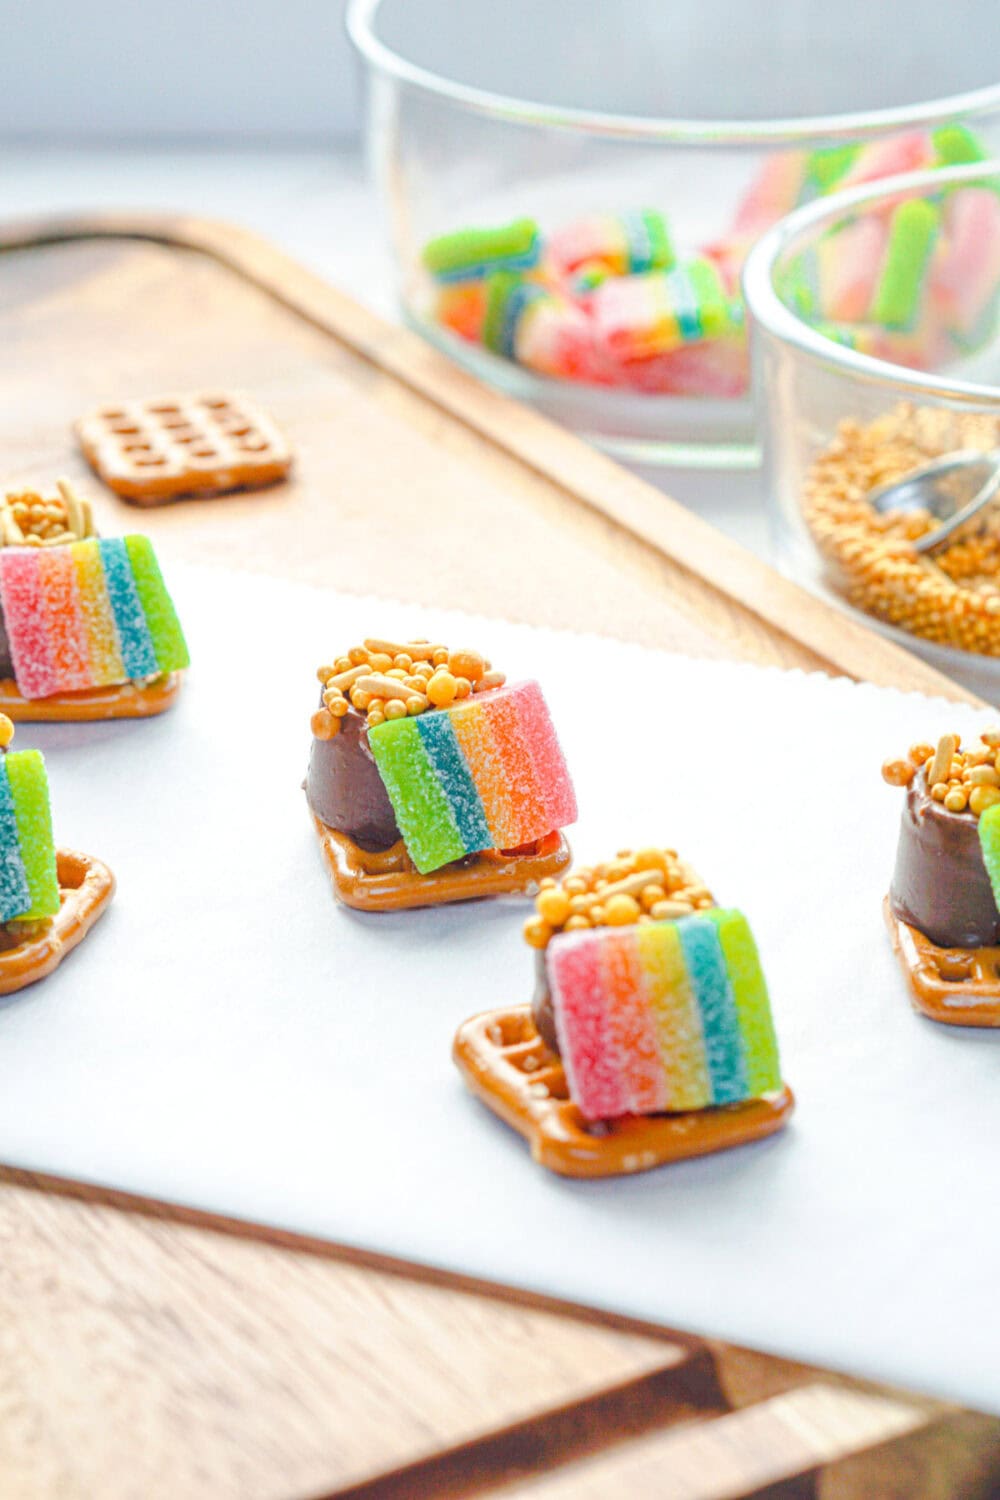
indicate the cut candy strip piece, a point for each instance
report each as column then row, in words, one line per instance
column 676, row 1016
column 707, row 971
column 29, row 790
column 912, row 234
column 134, row 639
column 60, row 598
column 632, row 1035
column 106, row 663
column 753, row 1006
column 580, row 1009
column 468, row 253
column 27, row 632
column 157, row 606
column 15, row 896
column 443, row 752
column 422, row 809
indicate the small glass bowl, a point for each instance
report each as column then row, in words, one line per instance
column 846, row 404
column 721, row 117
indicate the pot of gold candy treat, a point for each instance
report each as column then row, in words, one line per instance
column 650, row 1036
column 49, row 898
column 941, row 910
column 432, row 779
column 87, row 628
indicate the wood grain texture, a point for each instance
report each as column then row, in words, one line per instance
column 144, row 1354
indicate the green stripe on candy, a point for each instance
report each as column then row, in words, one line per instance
column 468, row 252
column 989, row 842
column 29, row 790
column 911, row 240
column 423, row 813
column 753, row 1007
column 955, row 145
column 161, row 617
column 710, row 298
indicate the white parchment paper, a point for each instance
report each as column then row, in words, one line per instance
column 230, row 1038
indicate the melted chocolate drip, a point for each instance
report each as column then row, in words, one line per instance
column 940, row 885
column 345, row 790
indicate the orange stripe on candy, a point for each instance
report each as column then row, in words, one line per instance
column 632, row 1034
column 511, row 742
column 67, row 642
column 488, row 771
column 100, row 632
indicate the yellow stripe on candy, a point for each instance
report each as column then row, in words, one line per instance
column 488, row 771
column 676, row 1017
column 106, row 663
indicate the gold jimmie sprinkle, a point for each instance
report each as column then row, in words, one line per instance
column 645, row 885
column 962, row 780
column 388, row 680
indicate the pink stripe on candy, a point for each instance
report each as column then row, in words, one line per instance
column 547, row 757
column 579, row 1003
column 25, row 621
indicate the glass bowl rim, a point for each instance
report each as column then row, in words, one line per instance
column 767, row 310
column 361, row 28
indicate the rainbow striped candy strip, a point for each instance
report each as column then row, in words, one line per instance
column 87, row 615
column 638, row 240
column 662, row 1015
column 466, row 254
column 639, row 316
column 487, row 773
column 29, row 886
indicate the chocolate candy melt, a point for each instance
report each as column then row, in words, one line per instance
column 345, row 790
column 542, row 1012
column 940, row 885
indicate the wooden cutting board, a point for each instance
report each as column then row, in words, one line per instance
column 157, row 1353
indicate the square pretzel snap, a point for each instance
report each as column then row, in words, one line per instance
column 187, row 446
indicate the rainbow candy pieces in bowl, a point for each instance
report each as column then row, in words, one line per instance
column 650, row 1036
column 613, row 299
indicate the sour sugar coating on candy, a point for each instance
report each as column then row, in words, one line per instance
column 662, row 1016
column 485, row 773
column 29, row 886
column 87, row 614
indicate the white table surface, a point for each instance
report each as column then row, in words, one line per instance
column 319, row 206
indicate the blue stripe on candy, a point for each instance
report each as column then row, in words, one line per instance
column 138, row 651
column 520, row 298
column 640, row 244
column 706, row 967
column 452, row 769
column 15, row 895
column 686, row 308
